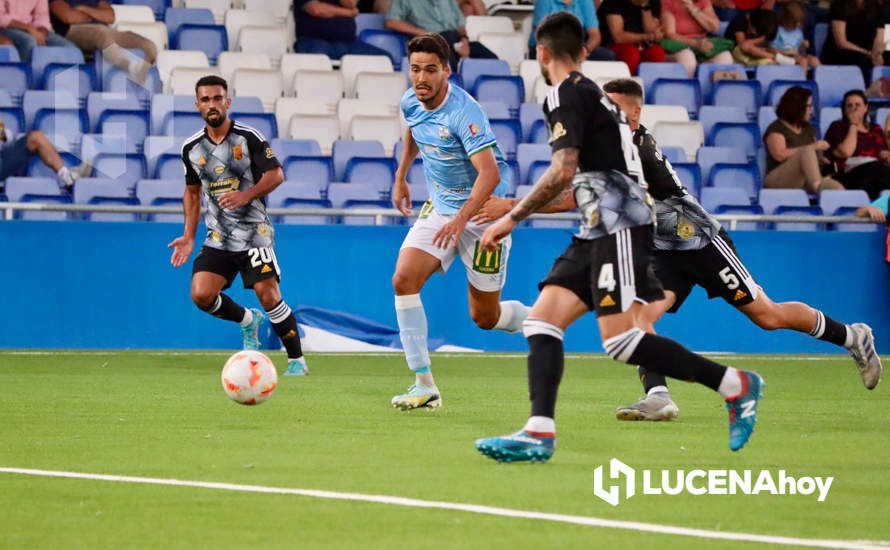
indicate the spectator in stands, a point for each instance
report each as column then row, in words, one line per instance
column 727, row 10
column 87, row 23
column 328, row 27
column 26, row 24
column 585, row 11
column 790, row 41
column 441, row 16
column 633, row 31
column 687, row 24
column 857, row 146
column 856, row 35
column 753, row 32
column 472, row 7
column 15, row 153
column 792, row 152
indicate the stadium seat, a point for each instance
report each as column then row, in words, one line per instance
column 778, row 88
column 263, row 122
column 175, row 18
column 744, row 176
column 168, row 166
column 74, row 79
column 98, row 102
column 767, row 74
column 168, row 60
column 391, row 42
column 471, row 69
column 134, row 13
column 339, row 193
column 744, row 135
column 37, row 169
column 765, row 116
column 791, row 202
column 845, row 203
column 416, row 175
column 161, row 192
column 745, row 94
column 539, row 133
column 673, row 154
column 478, row 24
column 296, row 190
column 690, row 176
column 650, row 72
column 118, row 81
column 528, row 114
column 712, row 198
column 287, row 107
column 272, row 41
column 210, row 39
column 512, row 47
column 42, row 56
column 388, row 87
column 508, row 134
column 161, row 104
column 132, row 124
column 375, row 21
column 16, row 79
column 5, row 99
column 9, row 53
column 34, row 100
column 376, row 172
column 265, row 84
column 349, row 108
column 292, row 194
column 293, row 62
column 14, row 119
column 246, row 104
column 507, row 89
column 530, row 72
column 836, row 80
column 182, row 124
column 495, row 109
column 712, row 114
column 278, row 8
column 352, row 65
column 685, row 92
column 94, row 144
column 523, row 190
column 535, row 170
column 827, row 115
column 741, row 209
column 125, row 169
column 705, row 73
column 155, row 146
column 182, row 79
column 878, row 72
column 70, row 123
column 688, row 135
column 650, row 115
column 104, row 191
column 419, row 193
column 236, row 19
column 323, row 86
column 345, row 150
column 40, row 189
column 229, row 62
column 325, row 129
column 385, row 129
column 156, row 32
column 707, row 157
column 526, row 154
column 605, row 69
column 318, row 171
column 285, row 148
column 217, row 7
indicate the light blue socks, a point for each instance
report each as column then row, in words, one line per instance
column 413, row 332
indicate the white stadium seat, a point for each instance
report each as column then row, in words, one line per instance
column 237, row 19
column 385, row 129
column 688, row 135
column 478, row 24
column 265, row 84
column 287, row 107
column 271, row 41
column 229, row 62
column 182, row 79
column 652, row 114
column 132, row 14
column 156, row 32
column 323, row 86
column 597, row 69
column 325, row 129
column 389, row 87
column 530, row 71
column 292, row 62
column 172, row 59
column 349, row 108
column 277, row 8
column 351, row 65
column 512, row 47
column 217, row 7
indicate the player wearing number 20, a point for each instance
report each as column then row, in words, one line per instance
column 236, row 168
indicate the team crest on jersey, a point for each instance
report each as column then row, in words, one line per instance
column 557, row 132
column 474, row 129
column 237, row 152
column 685, row 229
column 444, row 133
column 219, row 170
column 216, row 236
column 263, row 229
column 269, row 153
column 202, row 161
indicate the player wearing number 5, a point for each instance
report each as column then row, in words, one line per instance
column 235, row 168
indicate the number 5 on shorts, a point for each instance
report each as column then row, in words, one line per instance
column 729, row 278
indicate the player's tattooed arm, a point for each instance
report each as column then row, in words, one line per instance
column 552, row 184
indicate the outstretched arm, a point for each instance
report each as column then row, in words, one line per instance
column 554, row 181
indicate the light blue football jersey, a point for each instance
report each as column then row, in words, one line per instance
column 447, row 137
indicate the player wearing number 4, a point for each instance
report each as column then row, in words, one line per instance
column 234, row 166
column 463, row 167
column 607, row 267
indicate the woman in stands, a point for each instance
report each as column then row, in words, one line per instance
column 856, row 35
column 687, row 24
column 857, row 146
column 793, row 154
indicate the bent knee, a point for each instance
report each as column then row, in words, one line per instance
column 484, row 319
column 203, row 298
column 403, row 284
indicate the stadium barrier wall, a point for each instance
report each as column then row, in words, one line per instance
column 111, row 285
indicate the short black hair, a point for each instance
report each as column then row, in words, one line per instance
column 765, row 23
column 562, row 34
column 211, row 80
column 624, row 86
column 431, row 42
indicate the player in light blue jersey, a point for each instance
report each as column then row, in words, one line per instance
column 463, row 166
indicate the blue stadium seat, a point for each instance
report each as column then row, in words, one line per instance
column 778, row 88
column 685, row 92
column 182, row 123
column 690, row 176
column 168, row 166
column 13, row 119
column 765, row 116
column 285, row 148
column 5, row 99
column 673, row 153
column 741, row 209
column 746, row 94
column 318, row 171
column 650, row 72
column 744, row 135
column 94, row 144
column 526, row 154
column 529, row 113
column 175, row 18
column 104, row 191
column 391, row 42
column 743, row 176
column 101, row 68
column 16, row 78
column 133, row 124
column 42, row 56
column 712, row 114
column 264, row 122
column 705, row 72
column 125, row 169
column 836, row 80
column 506, row 89
column 495, row 109
column 535, row 170
column 346, row 149
column 540, row 133
column 155, row 146
column 210, row 39
column 292, row 194
column 712, row 198
column 470, row 69
column 419, row 194
column 9, row 53
column 373, row 21
column 845, row 203
column 118, row 81
column 791, row 202
column 339, row 193
column 820, row 34
column 827, row 115
column 879, row 72
column 161, row 104
column 508, row 134
column 74, row 79
column 377, row 172
column 159, row 6
column 40, row 189
column 767, row 74
column 707, row 157
column 98, row 102
column 36, row 168
column 245, row 104
column 416, row 175
column 35, row 100
column 157, row 192
column 71, row 123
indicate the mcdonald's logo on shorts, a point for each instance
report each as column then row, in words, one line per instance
column 487, row 262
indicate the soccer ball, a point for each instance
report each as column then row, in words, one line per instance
column 249, row 377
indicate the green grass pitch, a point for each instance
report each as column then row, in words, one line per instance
column 165, row 415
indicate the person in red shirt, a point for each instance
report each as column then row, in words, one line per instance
column 857, row 147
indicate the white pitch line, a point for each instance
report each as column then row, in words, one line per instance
column 471, row 508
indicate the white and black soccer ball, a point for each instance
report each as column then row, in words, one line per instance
column 249, row 377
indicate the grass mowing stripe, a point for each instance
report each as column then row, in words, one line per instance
column 470, row 508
